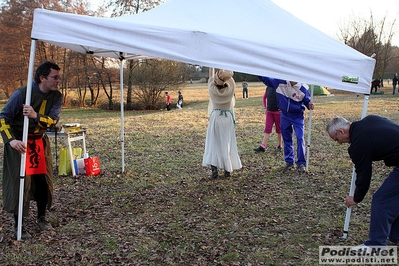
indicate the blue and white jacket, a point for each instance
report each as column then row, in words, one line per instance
column 290, row 99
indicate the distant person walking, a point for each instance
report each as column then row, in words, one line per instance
column 179, row 103
column 168, row 100
column 245, row 89
column 375, row 84
column 394, row 83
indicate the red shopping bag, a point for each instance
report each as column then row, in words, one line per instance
column 92, row 166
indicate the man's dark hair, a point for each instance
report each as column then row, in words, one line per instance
column 45, row 69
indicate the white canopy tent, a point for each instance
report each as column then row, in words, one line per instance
column 255, row 37
column 260, row 38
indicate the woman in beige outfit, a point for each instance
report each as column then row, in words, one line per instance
column 221, row 145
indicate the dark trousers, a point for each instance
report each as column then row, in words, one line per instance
column 384, row 220
column 244, row 93
column 289, row 125
column 40, row 193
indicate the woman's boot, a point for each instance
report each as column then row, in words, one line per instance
column 226, row 174
column 214, row 171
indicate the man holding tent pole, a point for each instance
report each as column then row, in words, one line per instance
column 43, row 113
column 366, row 146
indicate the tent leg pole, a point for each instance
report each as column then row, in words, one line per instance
column 122, row 114
column 25, row 139
column 349, row 210
column 309, row 130
column 21, row 206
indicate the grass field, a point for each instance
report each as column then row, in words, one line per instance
column 163, row 210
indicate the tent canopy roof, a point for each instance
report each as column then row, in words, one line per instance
column 262, row 40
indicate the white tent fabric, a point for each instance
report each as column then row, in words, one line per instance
column 255, row 37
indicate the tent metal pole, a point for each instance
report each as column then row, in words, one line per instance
column 25, row 139
column 352, row 187
column 309, row 130
column 122, row 115
column 349, row 210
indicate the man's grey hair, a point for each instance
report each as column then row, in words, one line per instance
column 337, row 123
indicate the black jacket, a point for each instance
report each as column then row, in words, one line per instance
column 373, row 138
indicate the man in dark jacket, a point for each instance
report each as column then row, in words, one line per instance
column 367, row 145
column 375, row 84
column 43, row 113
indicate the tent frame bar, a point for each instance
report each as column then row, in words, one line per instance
column 25, row 139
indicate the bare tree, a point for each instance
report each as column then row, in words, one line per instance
column 126, row 7
column 104, row 77
column 393, row 66
column 15, row 25
column 153, row 77
column 130, row 68
column 372, row 38
column 16, row 18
